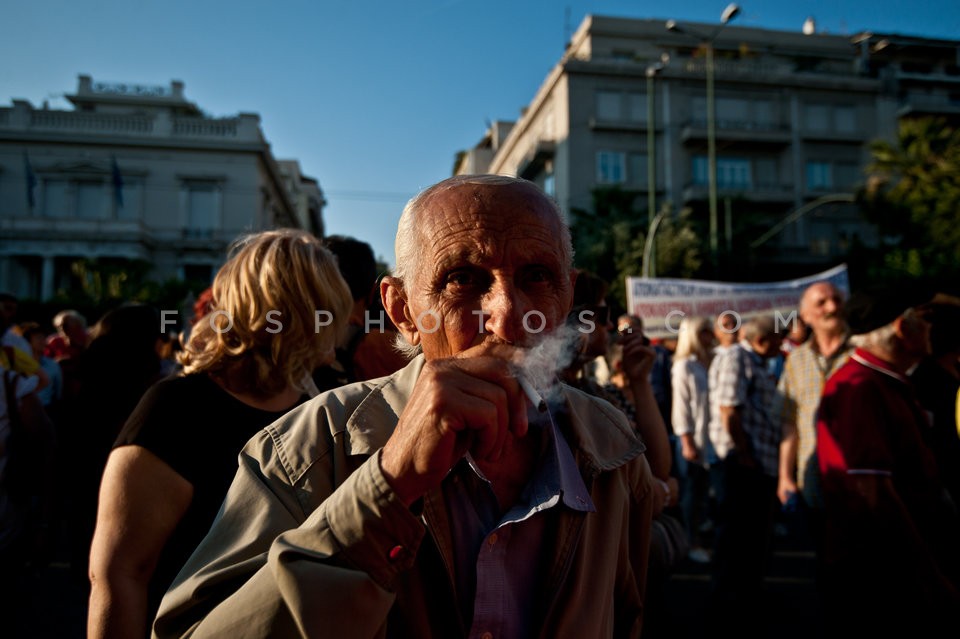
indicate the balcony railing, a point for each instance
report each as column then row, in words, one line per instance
column 768, row 68
column 758, row 191
column 23, row 119
column 98, row 122
column 738, row 125
column 196, row 127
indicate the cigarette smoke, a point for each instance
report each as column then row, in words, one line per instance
column 553, row 353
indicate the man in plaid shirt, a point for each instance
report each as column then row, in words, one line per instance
column 807, row 369
column 746, row 435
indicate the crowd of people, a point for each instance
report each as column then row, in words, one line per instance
column 473, row 445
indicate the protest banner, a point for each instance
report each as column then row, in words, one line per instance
column 663, row 302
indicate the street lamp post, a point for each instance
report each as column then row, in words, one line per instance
column 652, row 71
column 728, row 14
column 649, row 266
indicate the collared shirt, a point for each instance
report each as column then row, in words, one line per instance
column 739, row 378
column 805, row 373
column 498, row 558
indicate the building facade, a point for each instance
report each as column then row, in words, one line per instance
column 794, row 116
column 136, row 173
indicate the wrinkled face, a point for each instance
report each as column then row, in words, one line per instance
column 821, row 308
column 491, row 268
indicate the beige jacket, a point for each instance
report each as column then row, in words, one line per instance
column 311, row 541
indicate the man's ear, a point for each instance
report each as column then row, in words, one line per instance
column 900, row 328
column 395, row 303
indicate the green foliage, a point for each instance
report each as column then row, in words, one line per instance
column 913, row 195
column 609, row 241
column 103, row 280
column 100, row 285
column 678, row 246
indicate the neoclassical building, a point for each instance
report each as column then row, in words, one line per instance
column 136, row 172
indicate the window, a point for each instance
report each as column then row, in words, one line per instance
column 55, row 198
column 85, row 199
column 610, row 167
column 609, row 106
column 819, row 176
column 732, row 173
column 91, row 203
column 700, row 170
column 131, row 208
column 203, row 208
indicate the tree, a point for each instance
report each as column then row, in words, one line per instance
column 913, row 195
column 609, row 241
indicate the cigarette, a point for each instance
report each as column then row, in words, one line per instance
column 532, row 394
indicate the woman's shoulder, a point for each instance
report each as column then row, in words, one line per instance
column 688, row 364
column 182, row 386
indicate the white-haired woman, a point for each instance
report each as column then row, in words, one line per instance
column 279, row 306
column 690, row 416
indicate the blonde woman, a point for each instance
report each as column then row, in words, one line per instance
column 279, row 305
column 690, row 416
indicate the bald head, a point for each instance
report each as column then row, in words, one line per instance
column 451, row 198
column 821, row 308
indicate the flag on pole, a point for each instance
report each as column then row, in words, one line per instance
column 31, row 180
column 117, row 182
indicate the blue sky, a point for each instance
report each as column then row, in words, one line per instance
column 373, row 98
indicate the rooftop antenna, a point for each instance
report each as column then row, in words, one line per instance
column 567, row 28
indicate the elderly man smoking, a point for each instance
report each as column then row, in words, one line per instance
column 436, row 502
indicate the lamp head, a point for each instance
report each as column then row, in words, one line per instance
column 731, row 12
column 656, row 67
